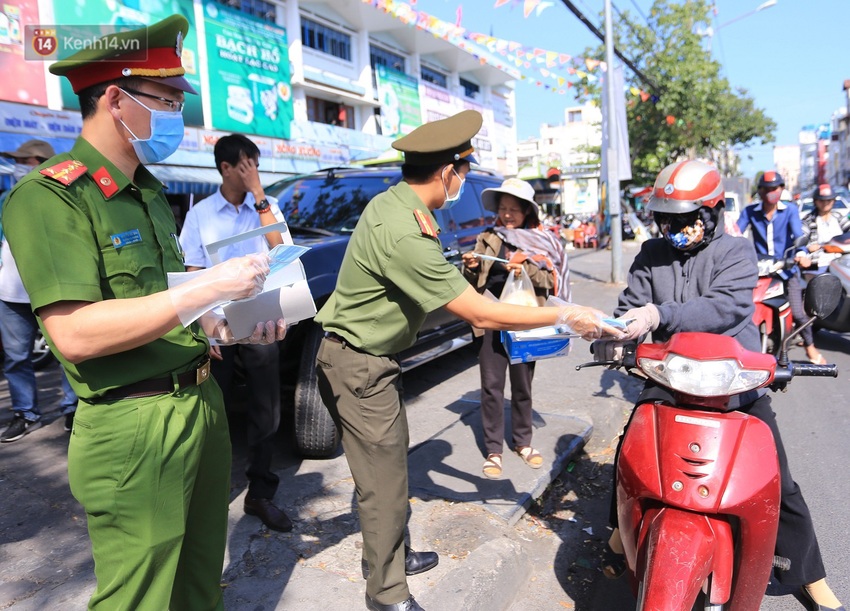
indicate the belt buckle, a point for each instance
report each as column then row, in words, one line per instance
column 202, row 372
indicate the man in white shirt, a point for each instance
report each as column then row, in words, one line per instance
column 239, row 205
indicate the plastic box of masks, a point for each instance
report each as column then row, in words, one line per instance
column 536, row 344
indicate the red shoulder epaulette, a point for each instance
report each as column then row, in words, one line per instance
column 66, row 171
column 425, row 224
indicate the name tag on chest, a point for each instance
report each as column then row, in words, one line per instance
column 120, row 240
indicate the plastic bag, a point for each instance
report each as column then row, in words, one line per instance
column 519, row 290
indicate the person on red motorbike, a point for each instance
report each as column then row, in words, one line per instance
column 822, row 224
column 698, row 278
column 774, row 226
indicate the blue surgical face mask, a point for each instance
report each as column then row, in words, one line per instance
column 166, row 134
column 451, row 201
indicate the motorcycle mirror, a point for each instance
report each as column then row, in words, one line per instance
column 801, row 242
column 822, row 295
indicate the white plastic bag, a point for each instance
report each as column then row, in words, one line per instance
column 519, row 290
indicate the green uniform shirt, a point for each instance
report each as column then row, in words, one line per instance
column 392, row 275
column 100, row 237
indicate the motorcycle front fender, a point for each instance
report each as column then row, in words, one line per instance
column 680, row 550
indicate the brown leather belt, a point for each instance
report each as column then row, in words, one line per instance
column 159, row 386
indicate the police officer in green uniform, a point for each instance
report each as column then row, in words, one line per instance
column 393, row 274
column 94, row 237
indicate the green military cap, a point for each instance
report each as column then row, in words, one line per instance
column 152, row 52
column 443, row 141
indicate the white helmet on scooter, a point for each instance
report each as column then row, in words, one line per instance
column 686, row 186
column 685, row 202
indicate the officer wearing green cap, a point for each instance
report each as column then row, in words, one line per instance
column 393, row 274
column 94, row 238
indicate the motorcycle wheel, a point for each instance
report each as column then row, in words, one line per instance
column 763, row 337
column 707, row 606
column 41, row 355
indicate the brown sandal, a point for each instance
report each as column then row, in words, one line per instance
column 532, row 457
column 492, row 468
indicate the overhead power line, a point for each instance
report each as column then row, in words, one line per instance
column 640, row 12
column 601, row 37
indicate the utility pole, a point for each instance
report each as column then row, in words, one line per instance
column 612, row 179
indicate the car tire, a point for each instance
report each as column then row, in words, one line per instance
column 41, row 355
column 316, row 435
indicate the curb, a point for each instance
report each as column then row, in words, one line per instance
column 494, row 573
column 488, row 581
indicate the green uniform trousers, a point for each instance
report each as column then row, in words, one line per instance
column 153, row 475
column 363, row 394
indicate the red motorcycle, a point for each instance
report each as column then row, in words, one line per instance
column 698, row 485
column 772, row 314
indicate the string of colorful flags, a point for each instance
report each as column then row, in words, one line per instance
column 544, row 68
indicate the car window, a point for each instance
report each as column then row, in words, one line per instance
column 467, row 213
column 332, row 202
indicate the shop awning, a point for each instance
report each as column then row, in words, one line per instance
column 198, row 181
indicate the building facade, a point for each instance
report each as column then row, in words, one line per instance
column 314, row 84
column 786, row 160
column 572, row 148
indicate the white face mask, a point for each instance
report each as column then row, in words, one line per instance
column 452, row 200
column 20, row 170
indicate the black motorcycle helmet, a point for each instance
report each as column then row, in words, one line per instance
column 771, row 179
column 823, row 192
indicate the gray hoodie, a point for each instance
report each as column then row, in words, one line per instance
column 708, row 290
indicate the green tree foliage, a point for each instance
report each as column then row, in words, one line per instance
column 693, row 111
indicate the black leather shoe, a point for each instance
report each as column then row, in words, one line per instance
column 271, row 516
column 414, row 562
column 406, row 605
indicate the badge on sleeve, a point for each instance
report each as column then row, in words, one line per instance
column 66, row 171
column 128, row 237
column 425, row 224
column 105, row 182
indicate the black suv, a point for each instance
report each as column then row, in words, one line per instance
column 322, row 210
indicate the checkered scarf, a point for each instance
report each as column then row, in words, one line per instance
column 545, row 249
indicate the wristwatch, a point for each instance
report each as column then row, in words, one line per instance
column 262, row 206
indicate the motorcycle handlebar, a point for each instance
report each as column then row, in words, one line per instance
column 783, row 375
column 808, row 369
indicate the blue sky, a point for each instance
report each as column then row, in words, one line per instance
column 792, row 57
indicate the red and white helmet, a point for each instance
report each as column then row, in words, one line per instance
column 686, row 186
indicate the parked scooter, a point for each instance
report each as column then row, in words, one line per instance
column 838, row 250
column 698, row 486
column 772, row 314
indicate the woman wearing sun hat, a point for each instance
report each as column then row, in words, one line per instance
column 518, row 238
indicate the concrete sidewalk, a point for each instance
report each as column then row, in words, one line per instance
column 474, row 523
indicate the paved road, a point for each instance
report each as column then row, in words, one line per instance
column 46, row 561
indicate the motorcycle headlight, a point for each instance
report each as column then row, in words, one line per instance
column 703, row 378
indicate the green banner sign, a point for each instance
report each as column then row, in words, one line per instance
column 398, row 95
column 125, row 14
column 248, row 66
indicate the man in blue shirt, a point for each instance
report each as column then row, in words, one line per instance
column 774, row 226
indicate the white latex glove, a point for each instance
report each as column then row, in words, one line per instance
column 644, row 320
column 586, row 322
column 217, row 329
column 237, row 278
